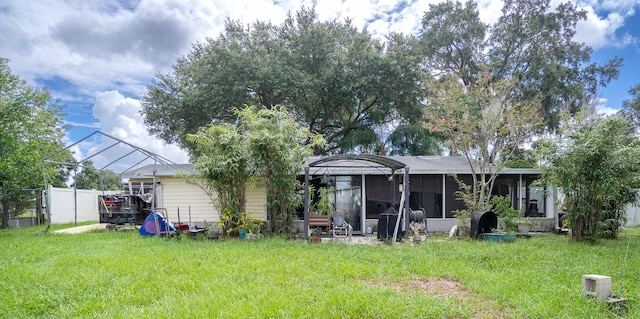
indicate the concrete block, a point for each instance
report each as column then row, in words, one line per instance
column 597, row 286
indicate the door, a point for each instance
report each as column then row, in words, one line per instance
column 348, row 199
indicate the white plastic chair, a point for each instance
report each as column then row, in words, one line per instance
column 339, row 227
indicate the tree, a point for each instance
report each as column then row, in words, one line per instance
column 278, row 153
column 534, row 45
column 530, row 44
column 65, row 172
column 480, row 121
column 223, row 165
column 413, row 140
column 334, row 80
column 631, row 107
column 597, row 168
column 30, row 128
column 453, row 38
column 90, row 178
column 264, row 145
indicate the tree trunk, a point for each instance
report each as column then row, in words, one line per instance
column 4, row 218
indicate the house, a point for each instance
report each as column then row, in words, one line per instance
column 364, row 189
column 185, row 201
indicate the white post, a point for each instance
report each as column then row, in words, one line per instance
column 363, row 205
column 75, row 197
column 395, row 231
column 444, row 196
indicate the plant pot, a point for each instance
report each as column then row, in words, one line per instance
column 499, row 237
column 243, row 235
column 524, row 228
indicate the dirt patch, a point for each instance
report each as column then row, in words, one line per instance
column 444, row 288
column 439, row 287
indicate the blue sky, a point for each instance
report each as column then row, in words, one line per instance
column 98, row 56
column 617, row 91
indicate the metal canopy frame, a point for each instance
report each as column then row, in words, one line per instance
column 133, row 149
column 380, row 160
column 383, row 161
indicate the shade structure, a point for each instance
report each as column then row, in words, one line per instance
column 149, row 225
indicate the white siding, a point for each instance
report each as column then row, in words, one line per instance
column 256, row 202
column 176, row 193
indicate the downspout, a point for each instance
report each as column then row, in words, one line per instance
column 306, row 203
column 407, row 193
column 520, row 204
column 393, row 189
column 444, row 196
column 363, row 202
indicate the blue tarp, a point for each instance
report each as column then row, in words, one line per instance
column 149, row 225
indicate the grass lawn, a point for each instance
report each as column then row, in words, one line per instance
column 110, row 274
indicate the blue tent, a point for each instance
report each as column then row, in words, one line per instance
column 149, row 225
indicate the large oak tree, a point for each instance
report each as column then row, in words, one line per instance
column 531, row 44
column 493, row 82
column 334, row 79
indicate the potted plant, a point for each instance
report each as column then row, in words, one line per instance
column 239, row 223
column 315, row 234
column 249, row 227
column 209, row 231
column 524, row 225
column 506, row 223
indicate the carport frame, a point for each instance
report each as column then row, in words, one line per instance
column 157, row 159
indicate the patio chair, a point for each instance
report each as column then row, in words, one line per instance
column 339, row 227
column 418, row 220
column 532, row 210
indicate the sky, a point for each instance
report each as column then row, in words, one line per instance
column 99, row 56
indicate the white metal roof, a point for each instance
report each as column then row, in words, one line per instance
column 423, row 165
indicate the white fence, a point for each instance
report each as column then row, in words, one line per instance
column 633, row 215
column 63, row 209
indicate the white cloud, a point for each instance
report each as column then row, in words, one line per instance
column 119, row 117
column 598, row 32
column 606, row 110
column 611, row 5
column 603, row 108
column 110, row 50
column 490, row 10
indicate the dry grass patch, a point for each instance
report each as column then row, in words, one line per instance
column 439, row 287
column 444, row 288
